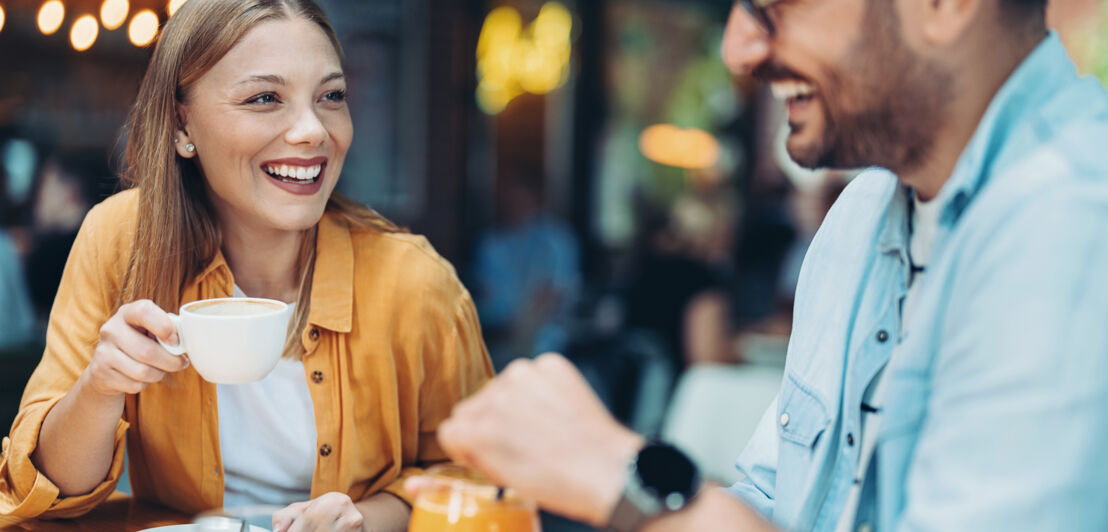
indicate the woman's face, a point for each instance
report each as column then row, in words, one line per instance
column 270, row 127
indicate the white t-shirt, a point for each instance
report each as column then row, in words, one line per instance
column 267, row 437
column 925, row 224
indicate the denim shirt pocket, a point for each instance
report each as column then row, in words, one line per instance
column 803, row 416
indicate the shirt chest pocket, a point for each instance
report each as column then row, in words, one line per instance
column 802, row 420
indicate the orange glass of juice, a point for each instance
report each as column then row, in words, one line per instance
column 459, row 500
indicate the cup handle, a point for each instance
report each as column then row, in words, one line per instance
column 178, row 349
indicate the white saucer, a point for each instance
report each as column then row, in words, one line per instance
column 196, row 528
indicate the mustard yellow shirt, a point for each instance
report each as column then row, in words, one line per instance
column 392, row 344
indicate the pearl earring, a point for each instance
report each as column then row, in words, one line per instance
column 190, row 147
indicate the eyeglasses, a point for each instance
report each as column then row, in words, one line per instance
column 757, row 9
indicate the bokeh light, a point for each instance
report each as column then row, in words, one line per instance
column 113, row 13
column 84, row 32
column 143, row 28
column 50, row 17
column 1, row 17
column 173, row 6
column 513, row 59
column 691, row 148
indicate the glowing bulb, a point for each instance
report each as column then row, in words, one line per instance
column 1, row 18
column 83, row 33
column 113, row 13
column 143, row 28
column 553, row 26
column 50, row 16
column 682, row 148
column 501, row 28
column 173, row 6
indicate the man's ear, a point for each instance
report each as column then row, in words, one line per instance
column 942, row 23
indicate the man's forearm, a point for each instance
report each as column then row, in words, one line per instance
column 713, row 509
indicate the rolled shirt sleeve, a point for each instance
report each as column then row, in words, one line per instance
column 85, row 300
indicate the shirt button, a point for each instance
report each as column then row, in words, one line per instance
column 882, row 336
column 850, row 439
column 317, row 377
column 325, row 450
column 313, row 334
column 785, row 419
column 865, row 527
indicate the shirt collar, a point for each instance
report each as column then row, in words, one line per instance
column 1037, row 79
column 1030, row 86
column 333, row 281
column 332, row 301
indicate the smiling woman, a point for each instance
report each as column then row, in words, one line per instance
column 235, row 144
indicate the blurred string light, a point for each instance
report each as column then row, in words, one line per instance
column 113, row 13
column 50, row 17
column 512, row 59
column 693, row 149
column 173, row 6
column 143, row 28
column 84, row 32
column 1, row 17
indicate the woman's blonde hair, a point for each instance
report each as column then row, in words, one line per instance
column 176, row 235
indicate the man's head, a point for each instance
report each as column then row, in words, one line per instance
column 871, row 82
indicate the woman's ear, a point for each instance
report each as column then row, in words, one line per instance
column 183, row 144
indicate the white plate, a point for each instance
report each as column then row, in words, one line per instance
column 196, row 528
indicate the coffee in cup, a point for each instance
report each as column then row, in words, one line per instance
column 232, row 340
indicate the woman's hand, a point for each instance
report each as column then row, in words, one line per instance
column 127, row 358
column 330, row 512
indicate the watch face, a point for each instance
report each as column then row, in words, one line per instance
column 668, row 473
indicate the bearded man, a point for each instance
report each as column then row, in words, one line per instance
column 948, row 361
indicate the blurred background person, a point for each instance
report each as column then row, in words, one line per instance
column 526, row 275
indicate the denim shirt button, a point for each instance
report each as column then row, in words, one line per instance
column 785, row 419
column 882, row 336
column 865, row 527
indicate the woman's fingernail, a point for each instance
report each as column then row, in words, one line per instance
column 174, row 339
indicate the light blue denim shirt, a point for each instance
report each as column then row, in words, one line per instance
column 996, row 412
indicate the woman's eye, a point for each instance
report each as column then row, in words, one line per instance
column 265, row 98
column 335, row 96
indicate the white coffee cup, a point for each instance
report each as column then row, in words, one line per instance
column 232, row 340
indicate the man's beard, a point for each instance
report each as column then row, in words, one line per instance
column 899, row 99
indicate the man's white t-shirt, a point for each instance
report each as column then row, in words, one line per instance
column 925, row 224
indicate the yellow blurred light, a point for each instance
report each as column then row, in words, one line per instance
column 113, row 13
column 682, row 148
column 50, row 16
column 83, row 33
column 512, row 59
column 501, row 28
column 493, row 100
column 143, row 28
column 173, row 6
column 538, row 69
column 1, row 18
column 553, row 26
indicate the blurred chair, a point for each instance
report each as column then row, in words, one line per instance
column 715, row 410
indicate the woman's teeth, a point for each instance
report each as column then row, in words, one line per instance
column 294, row 174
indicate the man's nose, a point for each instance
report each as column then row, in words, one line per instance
column 745, row 42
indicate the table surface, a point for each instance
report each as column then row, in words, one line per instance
column 119, row 513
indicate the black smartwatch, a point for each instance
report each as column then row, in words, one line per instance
column 661, row 480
